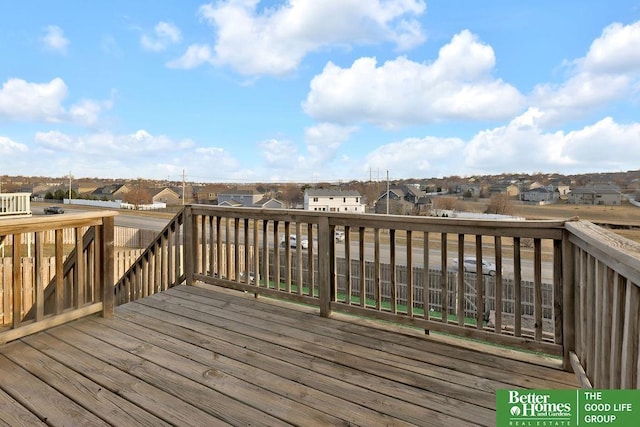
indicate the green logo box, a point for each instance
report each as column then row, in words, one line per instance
column 546, row 408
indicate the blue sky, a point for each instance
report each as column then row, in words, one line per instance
column 310, row 90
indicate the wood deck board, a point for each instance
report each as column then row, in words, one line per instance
column 206, row 356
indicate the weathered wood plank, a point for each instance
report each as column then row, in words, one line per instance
column 321, row 360
column 42, row 399
column 102, row 402
column 161, row 376
column 194, row 364
column 168, row 407
column 16, row 415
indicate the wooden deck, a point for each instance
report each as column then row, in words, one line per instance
column 197, row 356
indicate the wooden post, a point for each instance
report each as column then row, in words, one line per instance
column 107, row 267
column 324, row 266
column 568, row 302
column 17, row 282
column 189, row 245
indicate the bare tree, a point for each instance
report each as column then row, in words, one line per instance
column 446, row 202
column 500, row 204
column 137, row 196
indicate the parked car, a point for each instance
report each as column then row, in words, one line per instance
column 53, row 210
column 469, row 265
column 339, row 236
column 304, row 243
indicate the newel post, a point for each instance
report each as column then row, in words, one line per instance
column 189, row 245
column 325, row 266
column 568, row 301
column 108, row 291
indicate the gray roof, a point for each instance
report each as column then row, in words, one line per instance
column 323, row 192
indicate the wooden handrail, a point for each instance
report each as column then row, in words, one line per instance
column 93, row 252
column 134, row 283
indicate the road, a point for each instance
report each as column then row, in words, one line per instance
column 121, row 220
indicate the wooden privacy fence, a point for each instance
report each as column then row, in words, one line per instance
column 123, row 237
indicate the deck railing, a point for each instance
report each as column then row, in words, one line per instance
column 15, row 204
column 158, row 268
column 29, row 303
column 566, row 287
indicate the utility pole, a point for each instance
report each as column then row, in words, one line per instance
column 387, row 191
column 183, row 187
column 69, row 187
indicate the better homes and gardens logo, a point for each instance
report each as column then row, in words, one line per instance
column 547, row 408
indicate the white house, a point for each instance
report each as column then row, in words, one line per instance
column 322, row 200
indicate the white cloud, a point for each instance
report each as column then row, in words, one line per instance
column 21, row 100
column 165, row 34
column 416, row 157
column 324, row 140
column 43, row 102
column 132, row 155
column 106, row 144
column 279, row 154
column 457, row 86
column 9, row 147
column 609, row 72
column 275, row 40
column 523, row 144
column 195, row 56
column 54, row 39
column 615, row 51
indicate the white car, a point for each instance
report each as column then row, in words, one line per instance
column 470, row 266
column 339, row 236
column 304, row 243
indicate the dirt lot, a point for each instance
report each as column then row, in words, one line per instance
column 624, row 215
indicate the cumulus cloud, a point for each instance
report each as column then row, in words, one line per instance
column 43, row 102
column 21, row 100
column 417, row 157
column 275, row 40
column 106, row 144
column 9, row 147
column 458, row 85
column 608, row 72
column 54, row 39
column 603, row 145
column 165, row 34
column 153, row 156
column 279, row 154
column 195, row 56
column 324, row 140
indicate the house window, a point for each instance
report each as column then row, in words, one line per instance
column 344, row 200
column 315, row 199
column 357, row 199
column 330, row 198
column 345, row 209
column 356, row 209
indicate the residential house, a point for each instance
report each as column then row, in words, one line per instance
column 333, row 200
column 165, row 195
column 239, row 197
column 248, row 198
column 403, row 200
column 111, row 192
column 269, row 203
column 540, row 195
column 512, row 190
column 605, row 195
